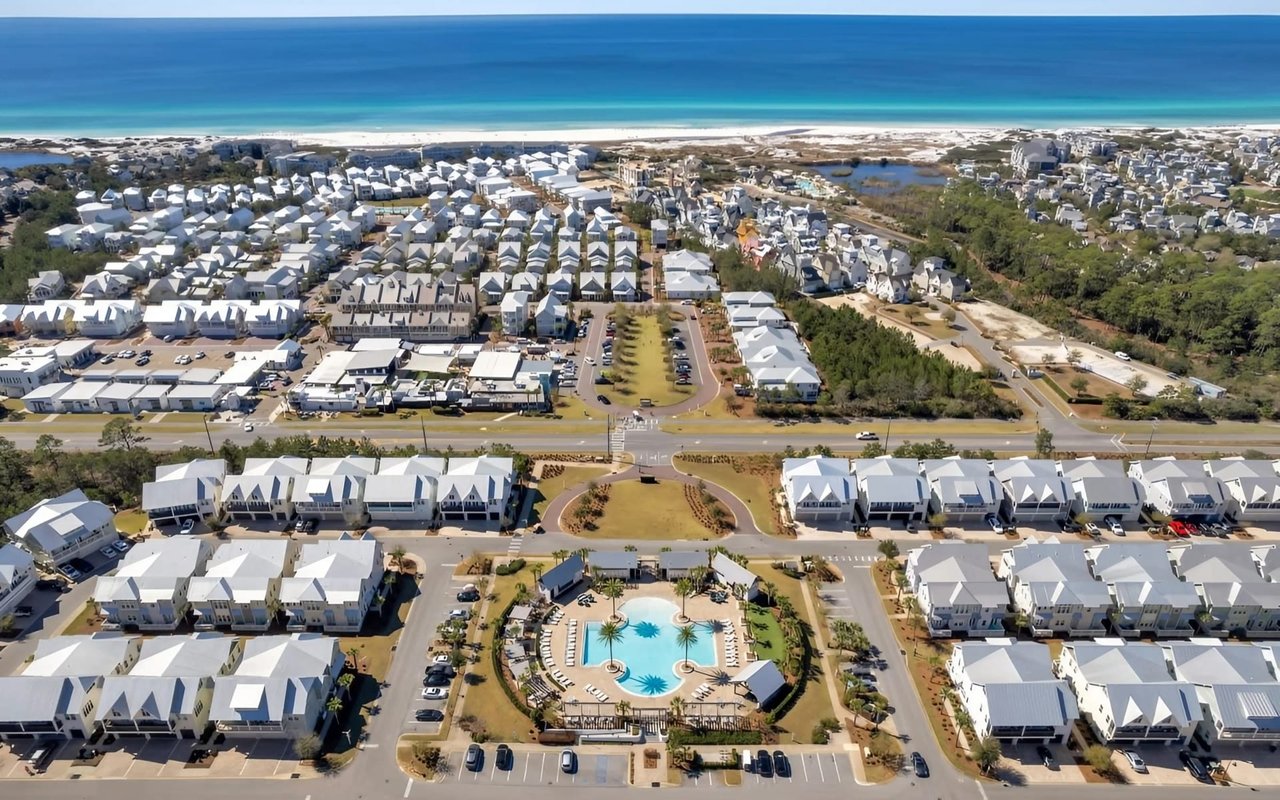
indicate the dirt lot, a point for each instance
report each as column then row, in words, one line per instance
column 1003, row 324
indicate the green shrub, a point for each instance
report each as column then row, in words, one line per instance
column 681, row 737
column 511, row 567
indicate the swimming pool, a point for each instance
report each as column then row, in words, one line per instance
column 648, row 650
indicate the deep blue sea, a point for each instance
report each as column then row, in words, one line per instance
column 228, row 76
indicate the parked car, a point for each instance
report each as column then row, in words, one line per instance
column 602, row 399
column 1092, row 529
column 429, row 715
column 474, row 758
column 435, row 693
column 589, row 361
column 1180, row 529
column 70, row 571
column 1123, row 356
column 764, row 764
column 994, row 523
column 469, row 594
column 504, row 758
column 1114, row 525
column 1195, row 766
column 1135, row 761
column 460, row 613
column 866, row 436
column 23, row 611
column 434, row 680
column 781, row 767
column 108, row 551
column 1046, row 757
column 187, row 527
column 49, row 584
column 121, row 545
column 568, row 762
column 142, row 361
column 919, row 766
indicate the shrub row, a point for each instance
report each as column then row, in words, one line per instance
column 510, row 568
column 681, row 737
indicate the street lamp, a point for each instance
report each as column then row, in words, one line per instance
column 1147, row 452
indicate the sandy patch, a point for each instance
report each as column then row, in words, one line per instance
column 1005, row 325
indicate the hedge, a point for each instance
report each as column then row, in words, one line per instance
column 797, row 690
column 510, row 568
column 495, row 652
column 680, row 737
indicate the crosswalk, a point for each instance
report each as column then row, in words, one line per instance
column 515, row 545
column 856, row 559
column 617, row 441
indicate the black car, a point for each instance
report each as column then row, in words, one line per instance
column 764, row 765
column 429, row 715
column 1046, row 757
column 1195, row 766
column 602, row 399
column 49, row 584
column 435, row 679
column 505, row 758
column 441, row 669
column 781, row 767
column 919, row 766
column 474, row 759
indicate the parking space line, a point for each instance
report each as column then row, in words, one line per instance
column 527, row 759
column 836, row 764
column 804, row 762
column 407, row 787
column 459, row 778
column 493, row 770
column 821, row 775
column 542, row 770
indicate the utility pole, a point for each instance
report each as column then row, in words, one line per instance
column 422, row 422
column 1147, row 452
column 205, row 419
column 887, row 430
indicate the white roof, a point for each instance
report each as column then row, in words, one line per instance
column 333, row 571
column 52, row 523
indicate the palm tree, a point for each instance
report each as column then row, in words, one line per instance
column 609, row 633
column 397, row 557
column 699, row 577
column 537, row 572
column 963, row 721
column 771, row 589
column 612, row 589
column 623, row 708
column 684, row 588
column 677, row 708
column 354, row 653
column 889, row 549
column 987, row 753
column 333, row 705
column 345, row 680
column 685, row 637
column 559, row 555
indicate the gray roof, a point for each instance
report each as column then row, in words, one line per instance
column 1106, row 663
column 1000, row 662
column 333, row 571
column 49, row 524
column 1213, row 663
column 1041, row 703
column 1124, row 563
column 147, row 698
column 763, row 679
column 1215, row 563
column 614, row 560
column 564, row 573
column 682, row 559
column 731, row 572
column 278, row 676
column 30, row 698
column 1243, row 707
column 92, row 654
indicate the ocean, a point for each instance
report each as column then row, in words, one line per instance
column 117, row 77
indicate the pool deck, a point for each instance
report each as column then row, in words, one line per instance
column 700, row 608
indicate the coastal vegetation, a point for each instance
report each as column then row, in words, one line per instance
column 29, row 253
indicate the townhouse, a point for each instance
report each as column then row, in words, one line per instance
column 279, row 689
column 962, row 489
column 333, row 489
column 1253, row 488
column 412, row 307
column 1180, row 489
column 56, row 696
column 1235, row 598
column 891, row 489
column 956, row 590
column 1146, row 597
column 819, row 489
column 1033, row 491
column 182, row 492
column 263, row 491
column 169, row 690
column 1010, row 692
column 1102, row 489
column 1236, row 687
column 1052, row 588
column 479, row 488
column 240, row 586
column 1127, row 694
column 59, row 529
column 404, row 489
column 17, row 577
column 21, row 375
column 148, row 591
column 778, row 364
column 333, row 585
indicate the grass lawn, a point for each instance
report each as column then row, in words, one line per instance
column 748, row 487
column 131, row 521
column 483, row 695
column 373, row 651
column 87, row 621
column 767, row 635
column 886, row 760
column 900, row 429
column 643, row 366
column 654, row 511
column 552, row 488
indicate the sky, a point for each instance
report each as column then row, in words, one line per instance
column 346, row 8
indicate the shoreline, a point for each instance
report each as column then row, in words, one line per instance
column 929, row 140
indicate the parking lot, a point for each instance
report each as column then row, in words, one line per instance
column 803, row 768
column 136, row 759
column 449, row 606
column 542, row 768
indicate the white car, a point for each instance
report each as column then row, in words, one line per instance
column 866, row 436
column 108, row 551
column 435, row 693
column 248, row 427
column 440, row 658
column 1135, row 761
column 589, row 361
column 1114, row 526
column 1122, row 355
column 121, row 545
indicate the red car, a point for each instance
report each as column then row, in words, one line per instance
column 1180, row 529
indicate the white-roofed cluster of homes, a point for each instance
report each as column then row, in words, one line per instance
column 351, row 491
column 1128, row 692
column 775, row 358
column 172, row 686
column 1028, row 491
column 1079, row 170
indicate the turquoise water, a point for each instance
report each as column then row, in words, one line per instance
column 118, row 76
column 648, row 648
column 12, row 159
column 886, row 180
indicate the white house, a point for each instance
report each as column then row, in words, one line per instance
column 149, row 589
column 240, row 587
column 1034, row 492
column 21, row 375
column 956, row 589
column 727, row 572
column 476, row 489
column 1235, row 598
column 264, row 490
column 515, row 312
column 550, row 316
column 56, row 696
column 333, row 584
column 1102, row 489
column 1010, row 691
column 891, row 489
column 62, row 528
column 962, row 489
column 181, row 492
column 1052, row 587
column 280, row 687
column 1127, row 693
column 1237, row 689
column 170, row 688
column 1253, row 488
column 17, row 577
column 1146, row 595
column 819, row 489
column 1181, row 489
